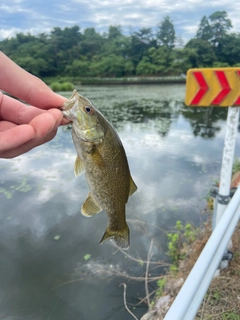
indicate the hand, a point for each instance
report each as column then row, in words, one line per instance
column 23, row 127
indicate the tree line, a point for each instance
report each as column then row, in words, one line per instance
column 87, row 53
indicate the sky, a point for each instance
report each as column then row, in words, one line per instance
column 41, row 16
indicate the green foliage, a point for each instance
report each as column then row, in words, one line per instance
column 55, row 86
column 166, row 33
column 204, row 31
column 236, row 166
column 71, row 52
column 230, row 316
column 161, row 285
column 201, row 53
column 176, row 240
column 220, row 65
column 145, row 67
column 65, row 86
column 78, row 68
column 220, row 24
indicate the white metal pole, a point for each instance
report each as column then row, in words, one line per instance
column 227, row 163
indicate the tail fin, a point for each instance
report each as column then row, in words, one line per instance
column 121, row 237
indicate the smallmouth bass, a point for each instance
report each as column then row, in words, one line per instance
column 101, row 156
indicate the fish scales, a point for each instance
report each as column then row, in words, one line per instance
column 102, row 157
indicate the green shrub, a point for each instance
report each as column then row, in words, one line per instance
column 65, row 86
column 176, row 240
column 55, row 86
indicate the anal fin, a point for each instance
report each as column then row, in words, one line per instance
column 90, row 206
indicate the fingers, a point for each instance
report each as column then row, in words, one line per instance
column 6, row 125
column 46, row 122
column 16, row 136
column 25, row 86
column 17, row 112
column 22, row 138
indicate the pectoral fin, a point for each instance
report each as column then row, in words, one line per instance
column 78, row 167
column 133, row 187
column 90, row 206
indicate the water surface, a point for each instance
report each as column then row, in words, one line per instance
column 174, row 154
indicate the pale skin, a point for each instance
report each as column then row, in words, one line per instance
column 23, row 127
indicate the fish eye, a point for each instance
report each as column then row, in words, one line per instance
column 88, row 109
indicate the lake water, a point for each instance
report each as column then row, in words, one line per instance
column 52, row 266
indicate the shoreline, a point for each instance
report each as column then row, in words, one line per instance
column 133, row 80
column 118, row 81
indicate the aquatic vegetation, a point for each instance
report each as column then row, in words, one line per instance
column 87, row 257
column 7, row 193
column 22, row 186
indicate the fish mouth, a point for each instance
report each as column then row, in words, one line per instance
column 66, row 114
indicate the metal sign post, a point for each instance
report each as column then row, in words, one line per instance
column 227, row 163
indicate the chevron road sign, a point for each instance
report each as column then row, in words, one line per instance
column 213, row 87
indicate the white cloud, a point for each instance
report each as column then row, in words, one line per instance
column 185, row 15
column 9, row 33
column 12, row 8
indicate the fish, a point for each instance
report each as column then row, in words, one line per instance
column 102, row 159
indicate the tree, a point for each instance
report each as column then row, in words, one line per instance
column 229, row 49
column 69, row 51
column 65, row 45
column 78, row 68
column 113, row 65
column 204, row 31
column 162, row 60
column 115, row 42
column 91, row 43
column 202, row 53
column 181, row 62
column 114, row 32
column 145, row 67
column 141, row 41
column 166, row 33
column 220, row 25
column 32, row 65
